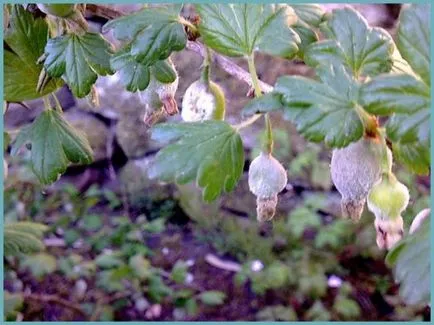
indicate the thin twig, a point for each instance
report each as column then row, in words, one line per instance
column 55, row 299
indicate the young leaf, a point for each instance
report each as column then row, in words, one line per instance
column 240, row 29
column 78, row 59
column 413, row 38
column 364, row 50
column 153, row 33
column 210, row 152
column 23, row 238
column 212, row 298
column 12, row 303
column 322, row 110
column 26, row 38
column 40, row 264
column 307, row 37
column 411, row 262
column 136, row 76
column 309, row 15
column 54, row 143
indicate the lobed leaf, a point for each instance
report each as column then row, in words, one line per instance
column 23, row 238
column 413, row 38
column 136, row 76
column 323, row 110
column 210, row 152
column 241, row 29
column 54, row 144
column 78, row 59
column 362, row 49
column 152, row 33
column 26, row 38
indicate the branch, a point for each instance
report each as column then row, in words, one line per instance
column 56, row 300
column 227, row 65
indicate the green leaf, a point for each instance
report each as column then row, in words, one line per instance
column 266, row 103
column 12, row 303
column 309, row 15
column 210, row 152
column 410, row 136
column 54, row 143
column 153, row 33
column 413, row 38
column 346, row 308
column 212, row 298
column 411, row 262
column 108, row 261
column 133, row 75
column 179, row 272
column 324, row 110
column 136, row 76
column 23, row 238
column 415, row 156
column 241, row 29
column 363, row 50
column 307, row 37
column 78, row 59
column 40, row 264
column 92, row 222
column 26, row 37
column 302, row 218
column 395, row 93
column 164, row 72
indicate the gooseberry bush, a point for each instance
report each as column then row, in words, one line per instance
column 369, row 103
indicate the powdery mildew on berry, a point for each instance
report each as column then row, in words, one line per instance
column 267, row 178
column 199, row 103
column 354, row 170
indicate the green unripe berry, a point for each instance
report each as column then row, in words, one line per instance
column 354, row 170
column 59, row 10
column 203, row 101
column 388, row 198
column 267, row 178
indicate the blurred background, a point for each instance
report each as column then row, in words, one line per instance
column 123, row 247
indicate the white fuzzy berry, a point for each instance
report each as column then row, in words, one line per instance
column 201, row 102
column 267, row 178
column 354, row 170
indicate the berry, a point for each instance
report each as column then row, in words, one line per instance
column 354, row 170
column 267, row 178
column 388, row 198
column 59, row 10
column 203, row 101
column 389, row 231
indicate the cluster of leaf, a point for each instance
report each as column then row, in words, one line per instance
column 396, row 84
